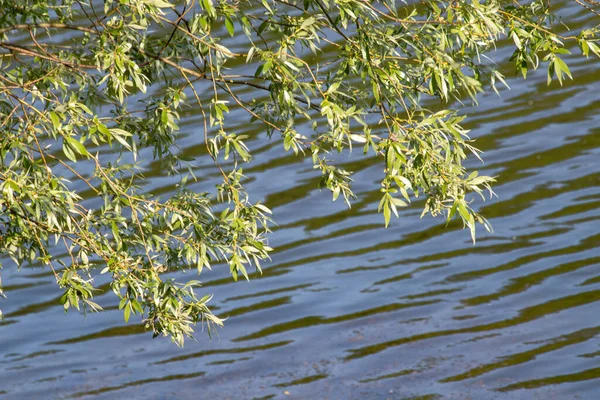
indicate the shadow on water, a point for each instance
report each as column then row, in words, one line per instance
column 525, row 315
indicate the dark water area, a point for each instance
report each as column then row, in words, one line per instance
column 350, row 310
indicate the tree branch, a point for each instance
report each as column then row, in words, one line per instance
column 31, row 53
column 46, row 26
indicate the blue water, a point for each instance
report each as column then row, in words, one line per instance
column 350, row 310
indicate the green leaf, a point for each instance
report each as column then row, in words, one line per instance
column 68, row 152
column 55, row 120
column 127, row 313
column 229, row 26
column 120, row 135
column 77, row 146
column 560, row 65
column 209, row 7
column 159, row 3
column 399, row 202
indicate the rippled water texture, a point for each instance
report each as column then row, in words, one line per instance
column 350, row 310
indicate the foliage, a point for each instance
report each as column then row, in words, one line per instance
column 79, row 83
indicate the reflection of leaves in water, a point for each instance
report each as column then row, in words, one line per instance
column 230, row 350
column 521, row 358
column 319, row 320
column 586, row 375
column 525, row 315
column 302, row 381
column 168, row 378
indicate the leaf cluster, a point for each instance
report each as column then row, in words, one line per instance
column 324, row 76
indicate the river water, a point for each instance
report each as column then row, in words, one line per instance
column 350, row 310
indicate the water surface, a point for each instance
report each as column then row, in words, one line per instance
column 350, row 310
